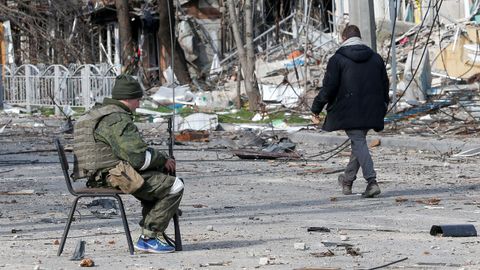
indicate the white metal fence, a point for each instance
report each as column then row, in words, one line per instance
column 79, row 86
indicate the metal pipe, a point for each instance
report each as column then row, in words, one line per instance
column 394, row 56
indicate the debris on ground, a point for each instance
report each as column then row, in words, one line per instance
column 192, row 136
column 19, row 192
column 103, row 208
column 225, row 263
column 327, row 253
column 255, row 154
column 87, row 262
column 284, row 148
column 318, row 229
column 453, row 230
column 375, row 143
column 299, row 246
column 429, row 201
column 353, row 251
column 79, row 252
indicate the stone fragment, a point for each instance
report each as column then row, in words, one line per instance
column 299, row 246
column 87, row 262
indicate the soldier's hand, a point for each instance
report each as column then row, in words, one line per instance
column 315, row 119
column 170, row 166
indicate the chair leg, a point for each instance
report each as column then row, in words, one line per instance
column 177, row 243
column 67, row 226
column 125, row 224
column 178, row 236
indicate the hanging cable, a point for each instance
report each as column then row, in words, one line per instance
column 392, row 40
column 445, row 67
column 421, row 57
column 418, row 32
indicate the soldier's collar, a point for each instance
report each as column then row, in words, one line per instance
column 111, row 101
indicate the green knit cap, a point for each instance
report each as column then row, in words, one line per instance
column 126, row 87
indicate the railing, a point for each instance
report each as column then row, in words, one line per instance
column 79, row 86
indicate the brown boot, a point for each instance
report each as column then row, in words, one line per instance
column 372, row 189
column 346, row 185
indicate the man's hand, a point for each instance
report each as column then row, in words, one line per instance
column 170, row 166
column 316, row 119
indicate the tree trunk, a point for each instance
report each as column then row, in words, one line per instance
column 125, row 31
column 238, row 100
column 253, row 96
column 166, row 30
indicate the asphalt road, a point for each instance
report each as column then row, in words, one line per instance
column 249, row 214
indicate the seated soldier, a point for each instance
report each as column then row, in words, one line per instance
column 105, row 138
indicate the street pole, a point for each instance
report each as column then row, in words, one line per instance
column 363, row 16
column 1, row 87
column 393, row 53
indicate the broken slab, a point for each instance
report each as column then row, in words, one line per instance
column 199, row 121
column 164, row 94
column 254, row 154
column 286, row 94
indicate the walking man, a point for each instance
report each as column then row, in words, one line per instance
column 355, row 90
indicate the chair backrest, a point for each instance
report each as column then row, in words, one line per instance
column 64, row 164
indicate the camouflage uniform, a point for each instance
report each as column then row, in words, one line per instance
column 114, row 131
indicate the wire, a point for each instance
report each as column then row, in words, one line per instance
column 388, row 264
column 331, row 150
column 418, row 32
column 392, row 40
column 421, row 57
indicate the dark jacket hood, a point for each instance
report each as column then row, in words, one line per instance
column 356, row 53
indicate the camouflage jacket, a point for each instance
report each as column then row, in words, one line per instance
column 119, row 131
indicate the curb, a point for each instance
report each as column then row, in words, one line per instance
column 453, row 145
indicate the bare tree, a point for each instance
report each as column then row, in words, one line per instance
column 166, row 31
column 125, row 31
column 246, row 58
column 40, row 31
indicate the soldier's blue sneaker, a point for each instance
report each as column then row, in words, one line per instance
column 153, row 245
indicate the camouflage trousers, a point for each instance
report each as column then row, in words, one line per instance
column 158, row 206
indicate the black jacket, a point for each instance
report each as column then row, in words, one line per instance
column 355, row 87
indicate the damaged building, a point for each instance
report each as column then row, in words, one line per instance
column 292, row 42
